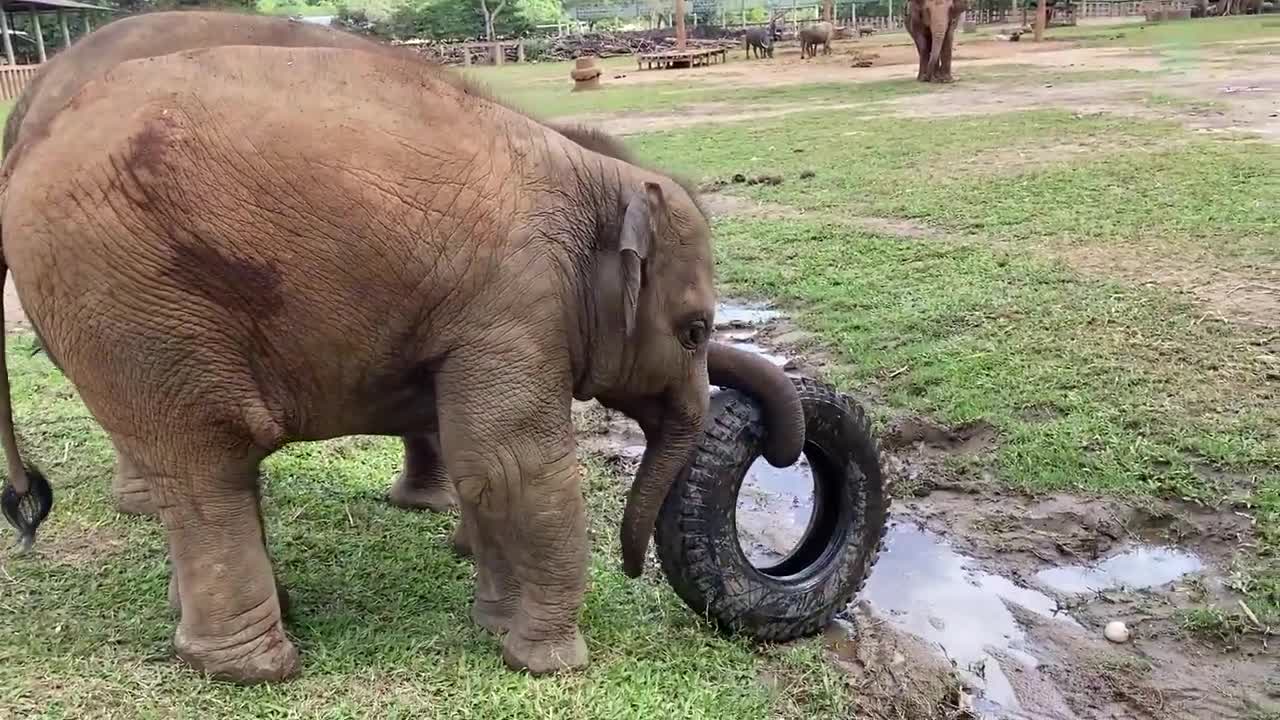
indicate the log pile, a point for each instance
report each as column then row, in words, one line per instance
column 607, row 45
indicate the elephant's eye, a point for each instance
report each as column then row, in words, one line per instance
column 694, row 334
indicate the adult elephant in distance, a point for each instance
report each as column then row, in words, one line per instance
column 932, row 25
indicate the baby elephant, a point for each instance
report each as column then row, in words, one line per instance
column 761, row 41
column 221, row 274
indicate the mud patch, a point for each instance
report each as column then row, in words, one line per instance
column 1252, row 299
column 989, row 604
column 893, row 674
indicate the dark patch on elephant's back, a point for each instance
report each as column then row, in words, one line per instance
column 147, row 149
column 250, row 285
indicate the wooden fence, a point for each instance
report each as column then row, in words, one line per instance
column 13, row 78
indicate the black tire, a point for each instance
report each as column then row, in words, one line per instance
column 697, row 533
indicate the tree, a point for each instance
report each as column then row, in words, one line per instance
column 489, row 16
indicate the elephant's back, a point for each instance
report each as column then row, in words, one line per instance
column 156, row 34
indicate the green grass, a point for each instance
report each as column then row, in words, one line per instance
column 1185, row 32
column 545, row 94
column 1008, row 177
column 1182, row 104
column 1028, row 74
column 1095, row 386
column 5, row 108
column 381, row 612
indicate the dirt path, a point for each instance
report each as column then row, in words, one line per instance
column 1238, row 96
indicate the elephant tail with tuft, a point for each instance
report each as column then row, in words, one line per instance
column 27, row 496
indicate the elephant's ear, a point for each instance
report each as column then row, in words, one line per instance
column 639, row 233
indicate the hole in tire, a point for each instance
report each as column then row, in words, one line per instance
column 774, row 510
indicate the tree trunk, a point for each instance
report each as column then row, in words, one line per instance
column 1041, row 17
column 489, row 17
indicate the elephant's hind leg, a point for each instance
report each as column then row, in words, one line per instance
column 422, row 483
column 231, row 625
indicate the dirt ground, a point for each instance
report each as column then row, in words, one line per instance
column 1249, row 93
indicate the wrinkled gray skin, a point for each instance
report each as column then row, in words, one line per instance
column 440, row 265
column 422, row 482
column 759, row 40
column 813, row 36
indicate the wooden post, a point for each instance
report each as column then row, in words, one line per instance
column 853, row 15
column 520, row 52
column 829, row 10
column 1041, row 11
column 681, row 38
column 35, row 29
column 88, row 22
column 66, row 32
column 499, row 55
column 466, row 56
column 8, row 41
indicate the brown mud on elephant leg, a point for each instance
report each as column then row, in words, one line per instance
column 231, row 626
column 422, row 483
column 129, row 487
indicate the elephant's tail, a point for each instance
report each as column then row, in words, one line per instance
column 27, row 497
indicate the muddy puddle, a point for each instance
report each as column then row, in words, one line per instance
column 982, row 618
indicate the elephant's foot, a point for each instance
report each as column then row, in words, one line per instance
column 175, row 599
column 259, row 653
column 433, row 493
column 544, row 656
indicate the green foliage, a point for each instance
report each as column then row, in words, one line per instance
column 463, row 19
column 757, row 15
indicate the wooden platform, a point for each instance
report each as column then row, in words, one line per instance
column 689, row 57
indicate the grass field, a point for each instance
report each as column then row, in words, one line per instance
column 1014, row 301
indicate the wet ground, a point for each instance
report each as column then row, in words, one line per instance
column 1002, row 599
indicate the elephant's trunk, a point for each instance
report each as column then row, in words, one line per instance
column 761, row 379
column 671, row 439
column 938, row 21
column 669, row 444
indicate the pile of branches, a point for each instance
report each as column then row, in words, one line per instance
column 629, row 43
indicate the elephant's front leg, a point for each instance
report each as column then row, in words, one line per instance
column 944, row 69
column 512, row 454
column 423, row 483
column 922, row 50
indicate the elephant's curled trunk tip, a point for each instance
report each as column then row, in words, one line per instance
column 769, row 385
